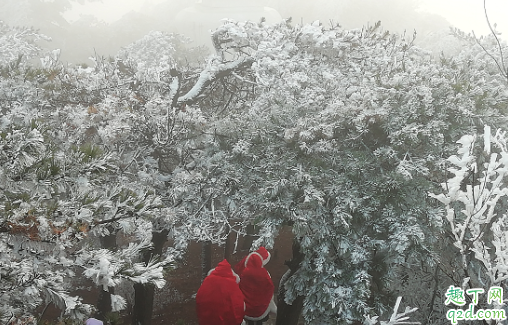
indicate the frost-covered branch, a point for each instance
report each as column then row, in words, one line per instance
column 473, row 210
column 211, row 73
column 396, row 318
column 108, row 269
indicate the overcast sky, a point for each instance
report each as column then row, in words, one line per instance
column 465, row 14
column 105, row 26
column 469, row 14
column 108, row 10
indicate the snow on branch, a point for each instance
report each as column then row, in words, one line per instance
column 395, row 319
column 211, row 73
column 108, row 269
column 473, row 200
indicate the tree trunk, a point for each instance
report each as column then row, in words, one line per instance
column 143, row 304
column 289, row 314
column 249, row 238
column 144, row 293
column 228, row 247
column 206, row 259
column 104, row 303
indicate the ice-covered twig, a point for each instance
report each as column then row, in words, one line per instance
column 478, row 203
column 395, row 319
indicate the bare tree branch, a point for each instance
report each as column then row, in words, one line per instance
column 501, row 66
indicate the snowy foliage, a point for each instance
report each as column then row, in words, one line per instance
column 158, row 52
column 80, row 161
column 18, row 44
column 108, row 269
column 475, row 201
column 338, row 133
column 342, row 140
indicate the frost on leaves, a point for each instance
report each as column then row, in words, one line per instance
column 474, row 198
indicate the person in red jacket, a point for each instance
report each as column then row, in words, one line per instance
column 257, row 287
column 219, row 300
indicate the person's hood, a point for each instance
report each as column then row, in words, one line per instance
column 223, row 269
column 254, row 260
column 264, row 254
column 261, row 252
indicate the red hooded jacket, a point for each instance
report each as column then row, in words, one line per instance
column 257, row 287
column 240, row 266
column 219, row 300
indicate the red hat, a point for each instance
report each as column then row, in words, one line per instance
column 257, row 287
column 219, row 300
column 261, row 251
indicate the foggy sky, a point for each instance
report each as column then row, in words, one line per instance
column 82, row 38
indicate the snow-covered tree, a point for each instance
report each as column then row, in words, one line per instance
column 18, row 44
column 143, row 111
column 69, row 174
column 343, row 136
column 338, row 133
